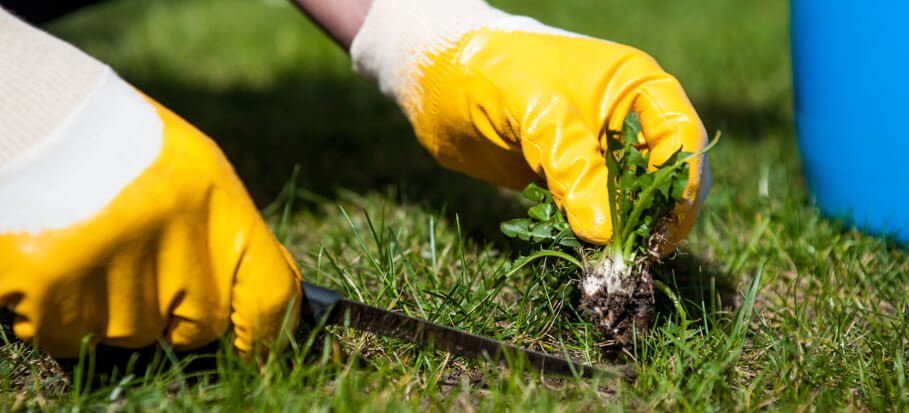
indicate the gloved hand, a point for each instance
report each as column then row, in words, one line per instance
column 129, row 224
column 508, row 100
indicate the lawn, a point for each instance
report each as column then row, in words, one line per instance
column 770, row 305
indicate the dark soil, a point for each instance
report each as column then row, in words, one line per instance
column 622, row 317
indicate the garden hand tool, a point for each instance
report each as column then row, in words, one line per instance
column 328, row 306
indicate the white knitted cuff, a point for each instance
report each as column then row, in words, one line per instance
column 397, row 35
column 73, row 173
column 42, row 81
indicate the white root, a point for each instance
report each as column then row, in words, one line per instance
column 612, row 275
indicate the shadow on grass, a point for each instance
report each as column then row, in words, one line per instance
column 342, row 133
column 704, row 289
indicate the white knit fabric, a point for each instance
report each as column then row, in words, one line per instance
column 400, row 36
column 72, row 133
column 42, row 80
column 75, row 172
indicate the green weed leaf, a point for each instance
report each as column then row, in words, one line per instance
column 570, row 241
column 631, row 127
column 543, row 212
column 535, row 193
column 517, row 228
column 639, row 197
column 541, row 232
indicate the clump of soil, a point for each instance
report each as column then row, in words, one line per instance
column 621, row 308
column 618, row 296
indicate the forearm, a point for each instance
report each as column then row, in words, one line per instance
column 341, row 19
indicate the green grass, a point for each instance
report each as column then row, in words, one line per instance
column 776, row 307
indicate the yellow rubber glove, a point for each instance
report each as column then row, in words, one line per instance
column 129, row 225
column 508, row 100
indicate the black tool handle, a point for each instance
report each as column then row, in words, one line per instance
column 321, row 300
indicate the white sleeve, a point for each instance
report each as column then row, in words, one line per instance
column 397, row 34
column 43, row 80
column 72, row 133
column 399, row 37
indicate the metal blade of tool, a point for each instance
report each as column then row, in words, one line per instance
column 336, row 310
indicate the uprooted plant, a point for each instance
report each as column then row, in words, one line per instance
column 616, row 282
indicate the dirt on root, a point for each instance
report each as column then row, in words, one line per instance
column 623, row 317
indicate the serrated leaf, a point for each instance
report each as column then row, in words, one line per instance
column 644, row 181
column 543, row 212
column 666, row 187
column 644, row 202
column 636, row 158
column 662, row 176
column 631, row 127
column 628, row 180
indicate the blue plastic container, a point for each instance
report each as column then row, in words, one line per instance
column 851, row 76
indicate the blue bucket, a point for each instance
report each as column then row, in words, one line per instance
column 851, row 78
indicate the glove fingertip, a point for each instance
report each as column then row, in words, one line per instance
column 588, row 220
column 591, row 233
column 266, row 308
